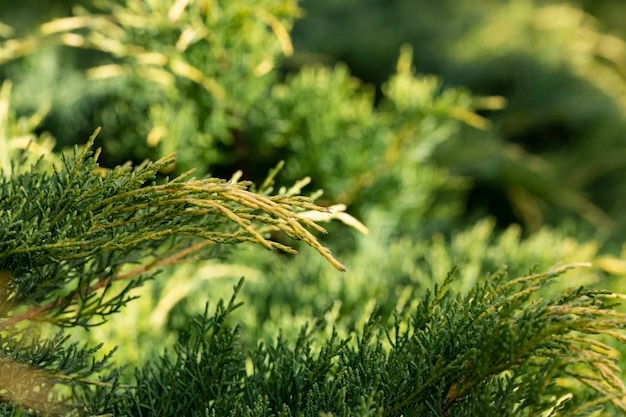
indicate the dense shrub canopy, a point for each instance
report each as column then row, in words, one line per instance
column 466, row 160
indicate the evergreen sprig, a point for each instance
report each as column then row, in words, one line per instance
column 75, row 241
column 66, row 237
column 498, row 350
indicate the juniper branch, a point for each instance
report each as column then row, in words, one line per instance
column 73, row 231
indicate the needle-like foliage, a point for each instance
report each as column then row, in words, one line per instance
column 76, row 241
column 210, row 80
column 61, row 233
column 499, row 350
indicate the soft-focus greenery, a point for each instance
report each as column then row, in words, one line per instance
column 560, row 69
column 479, row 135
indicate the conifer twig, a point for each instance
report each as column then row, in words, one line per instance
column 125, row 212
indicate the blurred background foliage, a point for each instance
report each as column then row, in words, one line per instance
column 557, row 147
column 480, row 134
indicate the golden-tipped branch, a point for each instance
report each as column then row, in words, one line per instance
column 83, row 213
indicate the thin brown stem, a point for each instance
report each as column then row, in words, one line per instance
column 171, row 260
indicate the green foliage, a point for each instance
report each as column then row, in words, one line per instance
column 70, row 236
column 48, row 247
column 154, row 71
column 17, row 139
column 97, row 254
column 161, row 77
column 447, row 354
column 556, row 149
